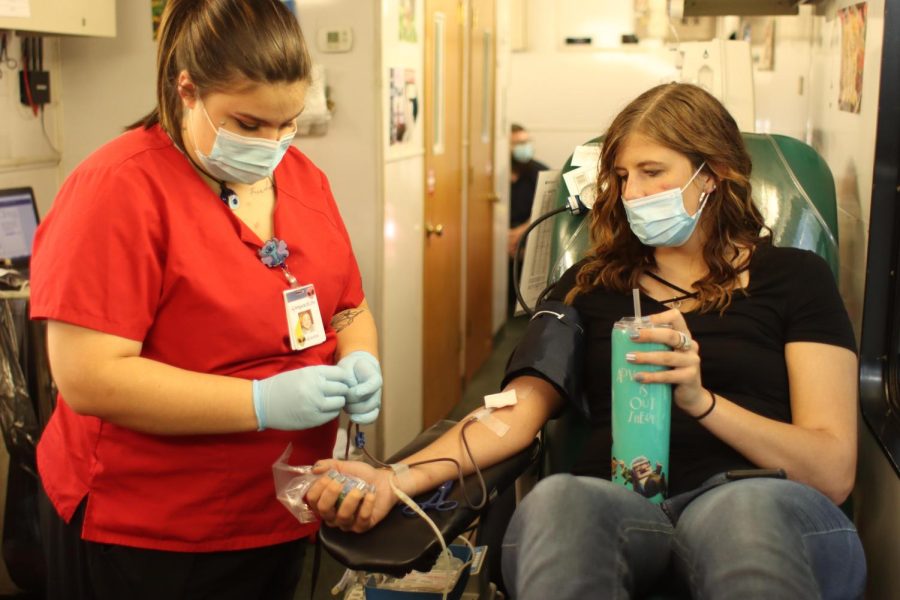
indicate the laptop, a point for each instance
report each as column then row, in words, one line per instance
column 18, row 222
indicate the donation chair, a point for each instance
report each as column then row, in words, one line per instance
column 793, row 187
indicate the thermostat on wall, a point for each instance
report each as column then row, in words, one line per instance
column 335, row 40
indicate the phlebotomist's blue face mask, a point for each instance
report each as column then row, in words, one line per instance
column 660, row 219
column 237, row 158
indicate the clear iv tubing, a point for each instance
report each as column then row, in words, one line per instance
column 459, row 471
column 445, row 551
column 403, row 497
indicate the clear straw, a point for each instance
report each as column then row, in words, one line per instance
column 636, row 295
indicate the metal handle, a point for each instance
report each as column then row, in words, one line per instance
column 493, row 198
column 431, row 230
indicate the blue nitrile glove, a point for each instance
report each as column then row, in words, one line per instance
column 300, row 399
column 364, row 373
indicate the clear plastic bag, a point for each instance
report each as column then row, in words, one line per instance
column 292, row 483
column 440, row 579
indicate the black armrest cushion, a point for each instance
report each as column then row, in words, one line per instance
column 400, row 544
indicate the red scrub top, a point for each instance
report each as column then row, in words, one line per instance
column 138, row 246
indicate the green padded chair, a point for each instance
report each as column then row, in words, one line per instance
column 792, row 186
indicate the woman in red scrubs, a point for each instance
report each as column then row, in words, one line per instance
column 172, row 270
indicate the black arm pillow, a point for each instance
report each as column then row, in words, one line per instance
column 399, row 543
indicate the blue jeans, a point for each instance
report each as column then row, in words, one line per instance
column 583, row 537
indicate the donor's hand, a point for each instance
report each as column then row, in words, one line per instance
column 350, row 510
column 683, row 364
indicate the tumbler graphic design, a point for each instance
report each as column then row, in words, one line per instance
column 641, row 417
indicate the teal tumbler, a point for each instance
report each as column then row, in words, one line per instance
column 641, row 416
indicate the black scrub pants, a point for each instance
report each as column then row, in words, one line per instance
column 81, row 570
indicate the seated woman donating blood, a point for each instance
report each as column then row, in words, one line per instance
column 763, row 375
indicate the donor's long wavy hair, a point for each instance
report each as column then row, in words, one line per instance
column 689, row 120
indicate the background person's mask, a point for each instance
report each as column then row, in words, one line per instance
column 237, row 158
column 660, row 220
column 523, row 153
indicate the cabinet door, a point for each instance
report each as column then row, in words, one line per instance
column 67, row 17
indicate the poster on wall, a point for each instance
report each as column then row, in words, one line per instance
column 407, row 21
column 767, row 52
column 759, row 32
column 853, row 54
column 404, row 103
column 15, row 8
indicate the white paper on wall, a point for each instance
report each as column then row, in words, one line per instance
column 15, row 8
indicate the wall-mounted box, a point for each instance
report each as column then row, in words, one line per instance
column 66, row 17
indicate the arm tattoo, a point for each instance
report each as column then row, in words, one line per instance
column 344, row 319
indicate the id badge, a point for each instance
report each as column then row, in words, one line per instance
column 305, row 326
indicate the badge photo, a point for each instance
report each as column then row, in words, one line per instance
column 305, row 326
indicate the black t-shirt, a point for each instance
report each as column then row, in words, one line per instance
column 522, row 189
column 791, row 297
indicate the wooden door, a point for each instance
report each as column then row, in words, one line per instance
column 442, row 344
column 481, row 196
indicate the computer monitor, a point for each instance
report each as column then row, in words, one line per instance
column 18, row 222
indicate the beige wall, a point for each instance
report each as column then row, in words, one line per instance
column 567, row 96
column 26, row 157
column 108, row 83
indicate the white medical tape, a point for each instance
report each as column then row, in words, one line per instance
column 505, row 398
column 491, row 422
column 401, row 471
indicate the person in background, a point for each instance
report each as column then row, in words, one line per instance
column 523, row 182
column 163, row 271
column 763, row 372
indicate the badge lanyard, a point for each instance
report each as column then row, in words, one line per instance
column 304, row 320
column 274, row 254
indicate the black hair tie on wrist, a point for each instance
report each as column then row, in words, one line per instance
column 708, row 410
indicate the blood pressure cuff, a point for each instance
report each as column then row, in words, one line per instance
column 552, row 349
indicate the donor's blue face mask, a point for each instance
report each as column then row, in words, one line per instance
column 237, row 158
column 660, row 220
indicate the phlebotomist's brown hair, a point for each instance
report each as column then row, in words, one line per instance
column 221, row 44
